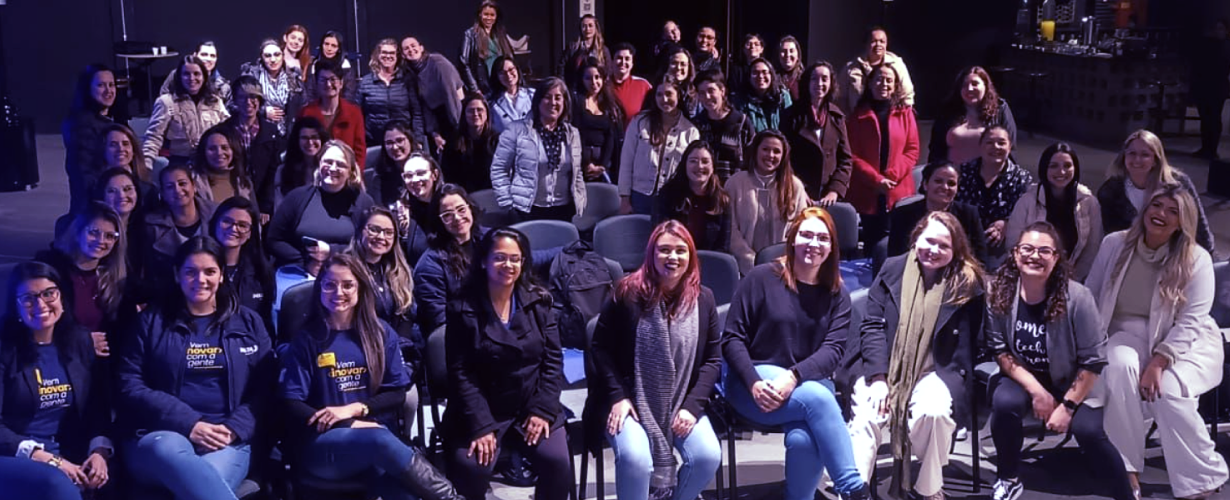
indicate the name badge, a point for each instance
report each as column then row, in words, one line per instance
column 326, row 359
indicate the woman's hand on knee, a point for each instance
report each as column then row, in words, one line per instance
column 767, row 398
column 619, row 411
column 212, row 437
column 877, row 395
column 1151, row 378
column 785, row 384
column 683, row 423
column 484, row 447
column 1059, row 420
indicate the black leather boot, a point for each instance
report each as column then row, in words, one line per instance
column 426, row 481
column 863, row 493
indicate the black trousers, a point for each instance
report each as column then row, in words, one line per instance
column 549, row 460
column 1010, row 404
column 1210, row 122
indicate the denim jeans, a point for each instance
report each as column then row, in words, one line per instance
column 372, row 454
column 642, row 203
column 169, row 460
column 701, row 452
column 816, row 435
column 25, row 478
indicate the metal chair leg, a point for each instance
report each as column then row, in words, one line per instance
column 734, row 469
column 600, row 475
column 584, row 473
column 976, row 451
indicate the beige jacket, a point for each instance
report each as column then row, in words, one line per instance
column 1032, row 208
column 179, row 123
column 857, row 70
column 745, row 210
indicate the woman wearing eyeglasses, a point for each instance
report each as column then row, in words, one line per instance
column 440, row 272
column 343, row 119
column 383, row 183
column 234, row 226
column 342, row 382
column 55, row 419
column 90, row 257
column 194, row 378
column 420, row 177
column 505, row 369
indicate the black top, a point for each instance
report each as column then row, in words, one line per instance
column 904, row 216
column 470, row 169
column 310, row 211
column 728, row 136
column 1030, row 337
column 1118, row 213
column 598, row 135
column 709, row 231
column 769, row 324
column 994, row 202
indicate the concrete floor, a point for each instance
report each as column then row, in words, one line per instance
column 27, row 218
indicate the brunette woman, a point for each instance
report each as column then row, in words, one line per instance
column 343, row 119
column 505, row 372
column 439, row 274
column 83, row 129
column 695, row 198
column 421, row 181
column 295, row 41
column 653, row 146
column 303, row 147
column 590, row 44
column 857, row 76
column 439, row 85
column 218, row 166
column 721, row 125
column 388, row 94
column 537, row 169
column 281, row 85
column 180, row 214
column 741, row 67
column 180, row 119
column 784, row 338
column 599, row 120
column 121, row 190
column 972, row 106
column 193, row 417
column 816, row 130
column 1060, row 199
column 207, row 52
column 884, row 146
column 656, row 356
column 1138, row 169
column 259, row 142
column 764, row 199
column 56, row 409
column 923, row 323
column 678, row 68
column 511, row 98
column 342, row 384
column 939, row 190
column 235, row 226
column 766, row 99
column 1043, row 332
column 383, row 182
column 332, row 54
column 482, row 44
column 790, row 64
column 118, row 150
column 468, row 155
column 994, row 182
column 1154, row 286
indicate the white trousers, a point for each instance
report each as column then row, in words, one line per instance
column 1192, row 463
column 931, row 428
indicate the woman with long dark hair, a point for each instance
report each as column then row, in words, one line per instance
column 505, row 372
column 342, row 383
column 653, row 146
column 194, row 378
column 439, row 274
column 720, row 124
column 590, row 44
column 972, row 106
column 1043, row 332
column 467, row 156
column 757, row 222
column 940, row 181
column 765, row 99
column 512, row 98
column 884, row 146
column 784, row 337
column 1069, row 206
column 384, row 183
column 816, row 129
column 695, row 198
column 82, row 130
column 220, row 167
column 790, row 64
column 331, row 53
column 482, row 44
column 56, row 405
column 304, row 143
column 656, row 357
column 235, row 226
column 421, row 181
column 180, row 119
column 598, row 118
column 678, row 67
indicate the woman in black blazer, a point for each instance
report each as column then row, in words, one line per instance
column 53, row 405
column 505, row 368
column 939, row 189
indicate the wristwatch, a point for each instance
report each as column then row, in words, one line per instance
column 1070, row 405
column 55, row 461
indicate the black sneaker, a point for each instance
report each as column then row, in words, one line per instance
column 1007, row 490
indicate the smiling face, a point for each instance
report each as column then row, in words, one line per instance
column 712, row 96
column 706, row 39
column 397, row 145
column 329, row 82
column 35, row 312
column 476, row 115
column 102, row 88
column 387, row 56
column 551, row 107
column 670, row 259
column 973, row 89
column 234, row 228
column 821, row 81
column 503, row 265
column 97, row 239
column 121, row 194
column 309, row 141
column 339, row 290
column 877, row 46
column 218, row 153
column 812, row 244
column 199, row 277
column 118, row 152
column 762, row 77
column 934, row 247
column 247, row 104
column 509, row 76
column 487, row 17
column 670, row 30
column 379, row 235
column 699, row 166
column 1139, row 161
column 329, row 47
column 177, row 189
column 788, row 55
column 996, row 146
column 592, row 80
column 679, row 66
column 208, row 54
column 271, row 56
column 294, row 41
column 1036, row 255
column 192, row 78
column 456, row 216
column 753, row 48
column 667, row 98
column 419, row 178
column 941, row 187
column 1161, row 218
column 589, row 28
column 334, row 171
column 623, row 64
column 769, row 155
column 411, row 49
column 884, row 85
column 1060, row 170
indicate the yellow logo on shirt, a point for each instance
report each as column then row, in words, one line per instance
column 326, row 359
column 348, row 376
column 51, row 392
column 202, row 356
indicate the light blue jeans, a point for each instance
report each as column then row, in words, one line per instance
column 816, row 435
column 701, row 452
column 169, row 460
column 374, row 455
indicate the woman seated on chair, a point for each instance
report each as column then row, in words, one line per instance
column 56, row 408
column 383, row 183
column 219, row 166
column 994, row 182
column 439, row 274
column 342, row 383
column 908, row 367
column 939, row 189
column 784, row 338
column 1043, row 331
column 695, row 198
column 299, row 165
column 181, row 214
column 420, row 177
column 1165, row 350
column 1060, row 199
column 234, row 226
column 505, row 369
column 656, row 356
column 757, row 222
column 194, row 377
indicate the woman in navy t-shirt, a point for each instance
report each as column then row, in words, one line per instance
column 193, row 380
column 342, row 381
column 52, row 411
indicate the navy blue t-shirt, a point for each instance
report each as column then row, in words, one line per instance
column 337, row 374
column 55, row 397
column 204, row 385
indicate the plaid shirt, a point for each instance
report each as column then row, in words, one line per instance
column 247, row 133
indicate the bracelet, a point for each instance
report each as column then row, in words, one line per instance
column 55, row 461
column 364, row 410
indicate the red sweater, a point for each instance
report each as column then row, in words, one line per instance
column 864, row 133
column 347, row 127
column 631, row 95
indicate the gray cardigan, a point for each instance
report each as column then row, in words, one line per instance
column 1073, row 342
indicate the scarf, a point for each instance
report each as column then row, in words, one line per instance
column 911, row 355
column 665, row 353
column 552, row 143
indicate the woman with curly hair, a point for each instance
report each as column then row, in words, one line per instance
column 972, row 107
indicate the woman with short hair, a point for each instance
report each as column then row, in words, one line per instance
column 344, row 120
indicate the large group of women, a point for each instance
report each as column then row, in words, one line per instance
column 147, row 340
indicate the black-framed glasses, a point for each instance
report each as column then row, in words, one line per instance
column 453, row 215
column 99, row 234
column 501, row 258
column 47, row 296
column 380, row 231
column 1044, row 252
column 238, row 225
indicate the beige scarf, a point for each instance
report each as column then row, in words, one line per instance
column 920, row 307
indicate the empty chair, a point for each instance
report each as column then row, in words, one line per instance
column 602, row 201
column 770, row 252
column 720, row 272
column 373, row 157
column 493, row 215
column 545, row 234
column 623, row 238
column 847, row 228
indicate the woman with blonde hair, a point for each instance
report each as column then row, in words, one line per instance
column 1165, row 350
column 1138, row 169
column 589, row 44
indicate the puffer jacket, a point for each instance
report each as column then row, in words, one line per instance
column 178, row 122
column 514, row 170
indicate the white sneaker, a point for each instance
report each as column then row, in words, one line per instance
column 1007, row 490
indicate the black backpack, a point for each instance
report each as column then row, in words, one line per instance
column 581, row 283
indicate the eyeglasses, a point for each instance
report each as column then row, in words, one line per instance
column 398, row 141
column 500, row 258
column 810, row 236
column 380, row 231
column 238, row 226
column 99, row 234
column 455, row 214
column 330, row 286
column 332, row 80
column 30, row 300
column 1028, row 250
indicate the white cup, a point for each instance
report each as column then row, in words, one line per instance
column 155, row 50
column 162, row 50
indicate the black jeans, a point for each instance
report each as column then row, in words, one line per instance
column 549, row 460
column 1010, row 404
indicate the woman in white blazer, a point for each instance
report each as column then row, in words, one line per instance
column 653, row 148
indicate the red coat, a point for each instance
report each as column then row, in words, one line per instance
column 864, row 132
column 347, row 127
